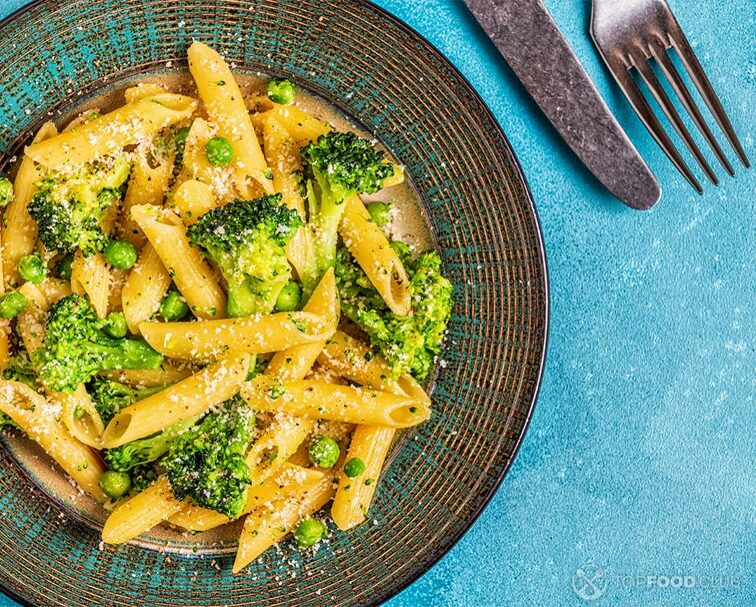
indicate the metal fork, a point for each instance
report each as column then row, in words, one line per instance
column 629, row 34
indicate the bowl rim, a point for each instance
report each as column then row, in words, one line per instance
column 542, row 263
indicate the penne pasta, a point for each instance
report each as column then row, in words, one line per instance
column 147, row 185
column 205, row 340
column 144, row 289
column 276, row 444
column 185, row 263
column 90, row 277
column 303, row 127
column 225, row 106
column 41, row 422
column 355, row 361
column 196, row 166
column 323, row 400
column 189, row 397
column 269, row 524
column 192, row 199
column 131, row 124
column 370, row 444
column 80, row 416
column 55, row 289
column 282, row 154
column 19, row 235
column 30, row 322
column 289, row 480
column 141, row 513
column 296, row 362
column 369, row 246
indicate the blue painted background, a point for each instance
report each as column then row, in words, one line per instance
column 641, row 458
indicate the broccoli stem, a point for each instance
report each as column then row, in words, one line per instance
column 127, row 354
column 146, row 450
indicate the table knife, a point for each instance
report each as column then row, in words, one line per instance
column 531, row 43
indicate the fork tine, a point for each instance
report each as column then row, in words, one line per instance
column 653, row 84
column 646, row 114
column 665, row 63
column 697, row 74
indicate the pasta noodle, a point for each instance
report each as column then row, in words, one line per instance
column 31, row 322
column 208, row 339
column 193, row 199
column 322, row 400
column 269, row 524
column 131, row 124
column 40, row 420
column 369, row 246
column 90, row 276
column 147, row 185
column 80, row 416
column 300, row 125
column 19, row 234
column 185, row 264
column 141, row 513
column 181, row 401
column 225, row 106
column 282, row 155
column 144, row 289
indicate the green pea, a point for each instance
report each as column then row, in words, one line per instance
column 354, row 467
column 6, row 191
column 115, row 484
column 79, row 412
column 309, row 532
column 281, row 91
column 32, row 269
column 289, row 297
column 120, row 254
column 115, row 325
column 173, row 307
column 380, row 212
column 179, row 139
column 323, row 451
column 64, row 267
column 219, row 151
column 12, row 304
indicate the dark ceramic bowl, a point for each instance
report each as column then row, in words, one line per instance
column 55, row 54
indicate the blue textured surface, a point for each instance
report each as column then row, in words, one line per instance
column 641, row 457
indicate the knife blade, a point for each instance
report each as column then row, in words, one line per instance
column 530, row 41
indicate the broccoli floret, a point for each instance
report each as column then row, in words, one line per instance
column 70, row 209
column 206, row 463
column 247, row 239
column 76, row 347
column 6, row 191
column 409, row 343
column 337, row 166
column 145, row 450
column 143, row 476
column 110, row 397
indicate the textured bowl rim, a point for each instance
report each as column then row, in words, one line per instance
column 542, row 262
